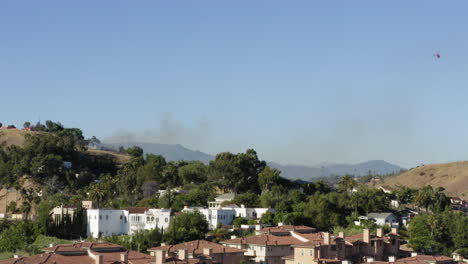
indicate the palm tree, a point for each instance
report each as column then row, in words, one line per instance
column 25, row 209
column 347, row 183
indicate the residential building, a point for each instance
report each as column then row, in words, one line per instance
column 264, row 248
column 382, row 219
column 197, row 251
column 323, row 247
column 107, row 222
column 218, row 202
column 214, row 216
column 225, row 215
column 84, row 253
column 57, row 213
column 418, row 259
column 285, row 230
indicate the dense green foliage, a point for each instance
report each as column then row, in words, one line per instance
column 186, row 227
column 56, row 158
column 440, row 233
column 140, row 241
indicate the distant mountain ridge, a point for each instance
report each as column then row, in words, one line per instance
column 178, row 152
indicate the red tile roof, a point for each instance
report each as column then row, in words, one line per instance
column 196, row 247
column 137, row 210
column 286, row 228
column 264, row 239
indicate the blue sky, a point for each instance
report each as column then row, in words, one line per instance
column 302, row 82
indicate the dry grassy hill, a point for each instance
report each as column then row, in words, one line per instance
column 13, row 136
column 452, row 176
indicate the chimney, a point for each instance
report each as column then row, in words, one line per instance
column 207, row 251
column 183, row 254
column 395, row 230
column 52, row 245
column 15, row 256
column 233, row 237
column 366, row 235
column 124, row 257
column 341, row 234
column 160, row 256
column 414, row 254
column 345, row 262
column 98, row 259
column 280, row 224
column 380, row 232
column 326, row 238
column 370, row 259
column 391, row 259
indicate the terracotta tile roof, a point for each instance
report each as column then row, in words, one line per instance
column 136, row 210
column 49, row 258
column 264, row 239
column 286, row 228
column 59, row 255
column 424, row 259
column 196, row 247
column 316, row 239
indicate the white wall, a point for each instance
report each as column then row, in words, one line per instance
column 106, row 222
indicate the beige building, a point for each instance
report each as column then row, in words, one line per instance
column 323, row 247
column 197, row 251
column 264, row 248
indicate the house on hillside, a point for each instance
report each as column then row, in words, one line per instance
column 382, row 219
column 218, row 202
column 107, row 222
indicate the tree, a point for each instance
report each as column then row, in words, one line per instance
column 25, row 209
column 194, row 172
column 135, row 151
column 27, row 125
column 186, row 227
column 268, row 177
column 236, row 172
column 12, row 207
column 249, row 199
column 347, row 183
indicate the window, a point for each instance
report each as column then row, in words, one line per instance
column 302, row 252
column 166, row 220
column 125, row 218
column 157, row 219
column 120, row 217
column 100, row 217
column 107, row 217
column 311, row 253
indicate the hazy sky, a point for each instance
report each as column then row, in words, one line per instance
column 302, row 82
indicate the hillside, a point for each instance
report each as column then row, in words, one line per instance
column 178, row 152
column 13, row 136
column 452, row 176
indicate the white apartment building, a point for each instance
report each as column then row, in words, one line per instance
column 226, row 215
column 108, row 222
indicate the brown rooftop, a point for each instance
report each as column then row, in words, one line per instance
column 286, row 229
column 196, row 247
column 136, row 210
column 264, row 239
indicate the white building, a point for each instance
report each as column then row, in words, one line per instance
column 108, row 222
column 382, row 219
column 226, row 215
